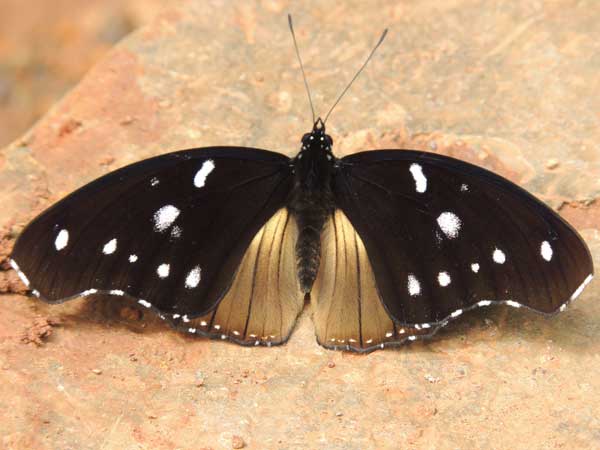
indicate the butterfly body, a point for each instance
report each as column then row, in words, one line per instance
column 312, row 200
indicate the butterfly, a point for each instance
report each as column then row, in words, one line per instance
column 388, row 246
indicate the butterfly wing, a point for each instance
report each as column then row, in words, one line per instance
column 443, row 236
column 170, row 231
column 348, row 313
column 265, row 298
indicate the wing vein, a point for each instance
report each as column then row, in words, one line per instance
column 253, row 286
column 358, row 289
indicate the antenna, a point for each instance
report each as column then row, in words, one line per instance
column 312, row 109
column 357, row 73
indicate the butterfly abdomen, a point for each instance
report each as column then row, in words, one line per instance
column 310, row 217
column 308, row 247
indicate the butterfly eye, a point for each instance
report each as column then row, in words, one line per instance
column 305, row 138
column 328, row 140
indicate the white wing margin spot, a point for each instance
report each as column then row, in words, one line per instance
column 581, row 287
column 16, row 268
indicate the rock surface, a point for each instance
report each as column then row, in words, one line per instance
column 511, row 86
column 46, row 47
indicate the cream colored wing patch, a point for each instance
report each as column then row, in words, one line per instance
column 264, row 301
column 347, row 311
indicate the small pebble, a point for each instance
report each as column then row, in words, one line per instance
column 552, row 164
column 127, row 120
column 237, row 442
column 107, row 160
column 97, row 371
column 331, row 364
column 431, row 378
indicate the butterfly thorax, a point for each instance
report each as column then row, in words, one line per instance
column 311, row 201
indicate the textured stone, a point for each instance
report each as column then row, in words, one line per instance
column 508, row 85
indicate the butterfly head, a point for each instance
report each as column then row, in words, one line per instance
column 317, row 140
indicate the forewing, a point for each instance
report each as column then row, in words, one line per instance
column 170, row 231
column 444, row 236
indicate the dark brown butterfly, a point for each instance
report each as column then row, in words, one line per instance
column 228, row 242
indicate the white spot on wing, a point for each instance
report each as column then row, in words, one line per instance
column 414, row 287
column 163, row 270
column 62, row 239
column 176, row 232
column 110, row 247
column 145, row 303
column 581, row 287
column 444, row 279
column 484, row 303
column 546, row 250
column 154, row 181
column 513, row 303
column 420, row 180
column 475, row 267
column 449, row 223
column 207, row 167
column 456, row 313
column 499, row 256
column 464, row 187
column 22, row 276
column 133, row 258
column 117, row 292
column 193, row 278
column 164, row 217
